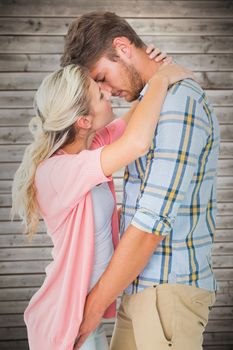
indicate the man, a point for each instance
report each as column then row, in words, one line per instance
column 163, row 260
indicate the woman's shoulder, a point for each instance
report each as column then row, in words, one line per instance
column 62, row 167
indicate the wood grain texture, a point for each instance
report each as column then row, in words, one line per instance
column 199, row 34
column 132, row 8
column 31, row 81
column 21, row 116
column 172, row 44
column 14, row 152
column 155, row 26
column 22, row 135
column 49, row 62
column 24, row 99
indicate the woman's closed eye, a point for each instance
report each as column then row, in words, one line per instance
column 101, row 80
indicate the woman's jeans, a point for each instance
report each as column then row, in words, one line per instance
column 96, row 341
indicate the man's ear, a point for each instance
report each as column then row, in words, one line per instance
column 122, row 46
column 84, row 122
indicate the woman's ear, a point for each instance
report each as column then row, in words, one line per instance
column 84, row 122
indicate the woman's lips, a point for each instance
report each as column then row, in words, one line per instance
column 119, row 93
column 123, row 94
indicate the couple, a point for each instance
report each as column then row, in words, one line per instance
column 169, row 143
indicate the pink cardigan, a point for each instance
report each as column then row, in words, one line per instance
column 54, row 314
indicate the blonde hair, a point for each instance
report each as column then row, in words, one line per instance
column 62, row 97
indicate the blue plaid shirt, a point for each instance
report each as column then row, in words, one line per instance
column 171, row 191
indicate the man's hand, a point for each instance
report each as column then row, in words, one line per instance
column 93, row 313
column 129, row 259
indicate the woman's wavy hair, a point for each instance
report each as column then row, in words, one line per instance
column 61, row 99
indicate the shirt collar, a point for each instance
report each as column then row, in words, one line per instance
column 143, row 92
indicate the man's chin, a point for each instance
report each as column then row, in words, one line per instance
column 128, row 97
column 131, row 98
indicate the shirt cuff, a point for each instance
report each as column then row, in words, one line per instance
column 146, row 221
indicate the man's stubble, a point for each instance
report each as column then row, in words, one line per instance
column 135, row 83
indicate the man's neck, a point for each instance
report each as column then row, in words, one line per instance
column 145, row 66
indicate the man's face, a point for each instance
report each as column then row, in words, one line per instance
column 119, row 78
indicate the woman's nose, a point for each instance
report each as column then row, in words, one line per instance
column 105, row 88
column 107, row 94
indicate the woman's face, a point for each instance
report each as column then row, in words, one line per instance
column 101, row 108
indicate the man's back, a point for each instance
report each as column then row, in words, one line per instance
column 171, row 191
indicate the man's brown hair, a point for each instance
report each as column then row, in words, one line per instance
column 91, row 35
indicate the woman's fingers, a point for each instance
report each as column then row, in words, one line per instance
column 168, row 59
column 152, row 51
column 150, row 48
column 156, row 54
column 161, row 56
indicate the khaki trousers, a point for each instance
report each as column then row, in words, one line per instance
column 168, row 316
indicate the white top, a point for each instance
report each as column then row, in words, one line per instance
column 103, row 204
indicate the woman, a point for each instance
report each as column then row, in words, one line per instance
column 65, row 177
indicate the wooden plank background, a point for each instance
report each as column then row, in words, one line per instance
column 198, row 34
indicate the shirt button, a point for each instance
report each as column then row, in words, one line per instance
column 169, row 344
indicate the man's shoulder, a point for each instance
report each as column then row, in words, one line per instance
column 186, row 87
column 180, row 91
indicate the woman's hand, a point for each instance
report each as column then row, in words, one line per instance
column 173, row 73
column 157, row 55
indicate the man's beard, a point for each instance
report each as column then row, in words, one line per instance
column 134, row 80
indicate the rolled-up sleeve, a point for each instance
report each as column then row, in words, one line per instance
column 177, row 151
